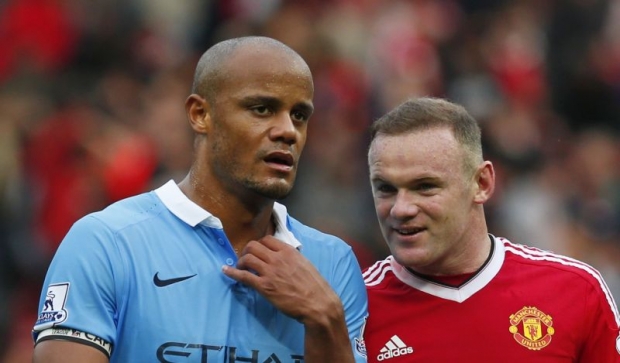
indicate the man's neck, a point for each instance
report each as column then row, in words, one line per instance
column 242, row 220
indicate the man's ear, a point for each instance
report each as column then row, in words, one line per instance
column 198, row 113
column 485, row 182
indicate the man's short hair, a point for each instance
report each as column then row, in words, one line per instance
column 210, row 69
column 423, row 113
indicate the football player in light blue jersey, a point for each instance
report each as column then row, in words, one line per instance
column 212, row 269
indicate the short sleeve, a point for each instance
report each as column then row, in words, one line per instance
column 349, row 285
column 79, row 291
column 602, row 342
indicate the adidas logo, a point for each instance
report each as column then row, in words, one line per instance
column 395, row 347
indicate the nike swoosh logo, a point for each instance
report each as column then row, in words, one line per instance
column 161, row 283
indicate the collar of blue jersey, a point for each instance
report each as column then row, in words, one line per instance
column 191, row 213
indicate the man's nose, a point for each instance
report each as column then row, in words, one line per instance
column 284, row 129
column 404, row 205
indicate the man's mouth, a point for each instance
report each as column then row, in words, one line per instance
column 283, row 159
column 408, row 231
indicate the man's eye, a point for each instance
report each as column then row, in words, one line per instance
column 426, row 186
column 261, row 110
column 299, row 116
column 385, row 188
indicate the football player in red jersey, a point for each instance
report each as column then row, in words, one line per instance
column 450, row 291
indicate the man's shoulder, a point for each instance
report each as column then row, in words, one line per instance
column 548, row 263
column 323, row 249
column 308, row 235
column 379, row 274
column 125, row 212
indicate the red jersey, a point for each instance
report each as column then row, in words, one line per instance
column 523, row 305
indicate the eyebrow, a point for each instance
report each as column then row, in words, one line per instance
column 376, row 179
column 276, row 102
column 305, row 107
column 423, row 179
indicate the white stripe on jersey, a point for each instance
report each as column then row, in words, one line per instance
column 375, row 273
column 537, row 254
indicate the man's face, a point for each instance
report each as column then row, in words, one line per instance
column 423, row 198
column 259, row 120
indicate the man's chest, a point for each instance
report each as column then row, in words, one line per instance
column 491, row 326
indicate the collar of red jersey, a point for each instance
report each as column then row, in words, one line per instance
column 459, row 294
column 191, row 213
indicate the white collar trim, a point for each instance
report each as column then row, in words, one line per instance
column 458, row 294
column 191, row 213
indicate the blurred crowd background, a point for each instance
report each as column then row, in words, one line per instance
column 92, row 110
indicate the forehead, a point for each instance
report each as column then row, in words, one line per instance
column 267, row 69
column 431, row 152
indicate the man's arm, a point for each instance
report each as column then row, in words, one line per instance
column 63, row 351
column 293, row 285
column 327, row 337
column 602, row 334
column 72, row 325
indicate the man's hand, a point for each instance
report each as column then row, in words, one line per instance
column 286, row 278
column 293, row 285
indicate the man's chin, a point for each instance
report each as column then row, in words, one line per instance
column 408, row 257
column 275, row 191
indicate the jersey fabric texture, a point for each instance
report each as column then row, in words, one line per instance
column 144, row 276
column 523, row 305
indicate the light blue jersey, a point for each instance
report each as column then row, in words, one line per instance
column 143, row 279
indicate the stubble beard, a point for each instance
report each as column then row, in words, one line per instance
column 235, row 175
column 272, row 189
